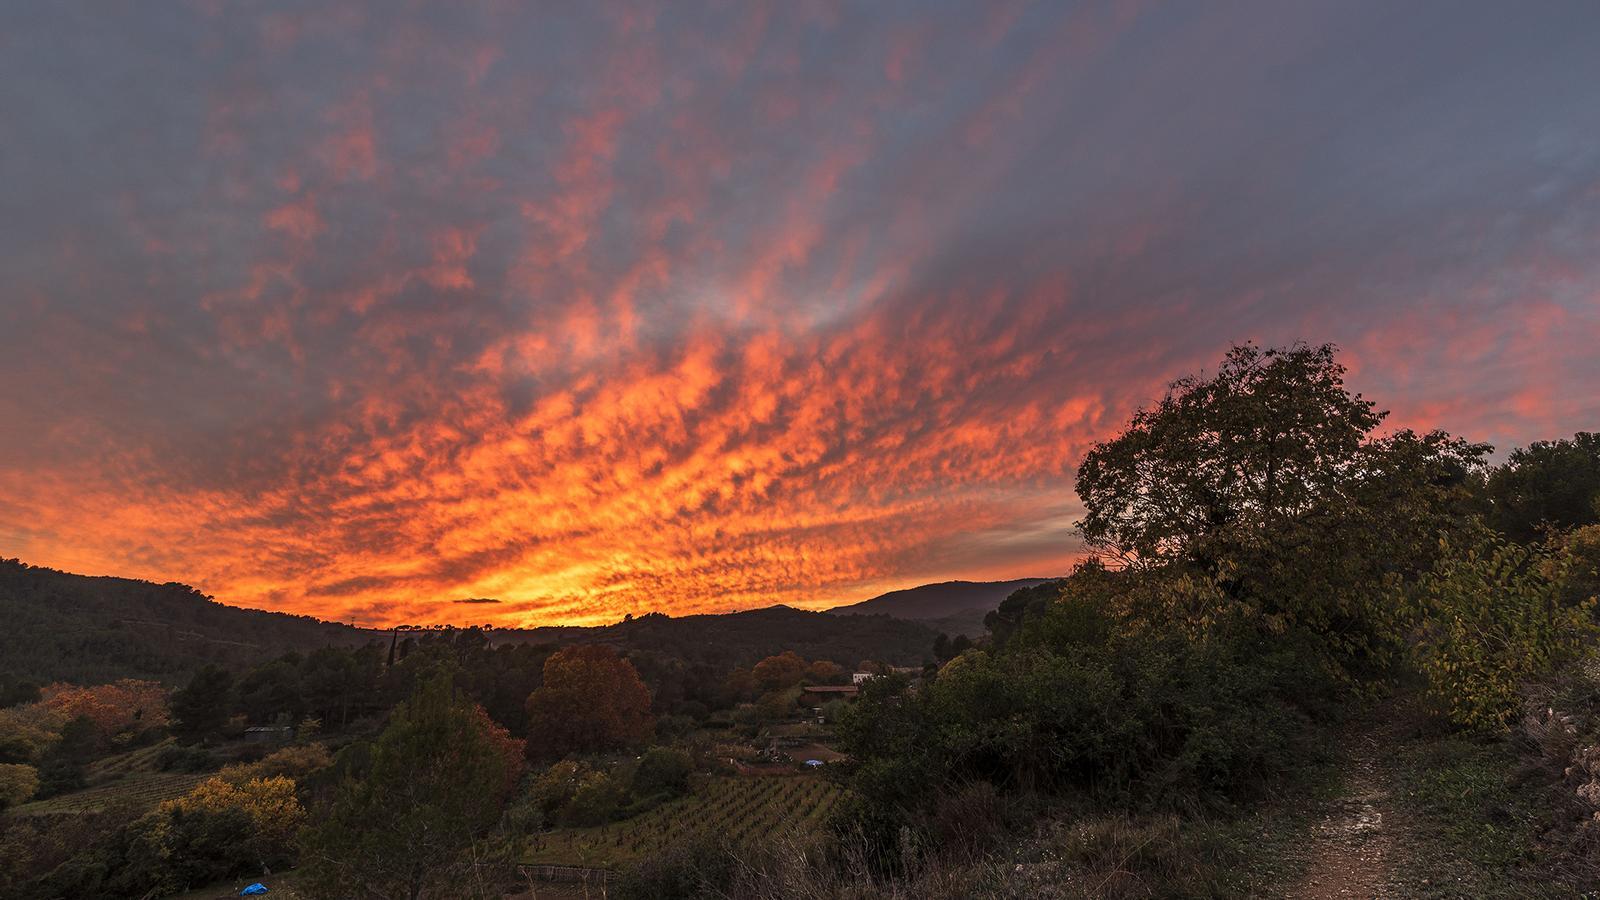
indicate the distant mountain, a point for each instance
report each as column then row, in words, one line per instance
column 56, row 626
column 59, row 626
column 743, row 638
column 941, row 601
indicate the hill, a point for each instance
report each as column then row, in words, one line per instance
column 955, row 600
column 742, row 638
column 86, row 629
column 90, row 629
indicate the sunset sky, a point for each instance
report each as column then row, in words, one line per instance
column 595, row 309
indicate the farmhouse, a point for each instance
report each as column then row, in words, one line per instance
column 268, row 734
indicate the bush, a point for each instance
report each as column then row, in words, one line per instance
column 662, row 770
column 596, row 801
column 179, row 758
column 1494, row 618
column 688, row 870
column 18, row 783
column 295, row 762
column 1150, row 718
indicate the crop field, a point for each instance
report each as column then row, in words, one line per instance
column 735, row 810
column 141, row 790
column 141, row 760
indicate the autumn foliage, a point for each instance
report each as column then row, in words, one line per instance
column 592, row 700
column 115, row 707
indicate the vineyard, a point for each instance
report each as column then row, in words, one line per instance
column 735, row 810
column 121, row 765
column 140, row 791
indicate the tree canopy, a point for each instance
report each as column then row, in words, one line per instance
column 436, row 782
column 591, row 700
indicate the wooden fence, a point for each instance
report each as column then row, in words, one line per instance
column 566, row 874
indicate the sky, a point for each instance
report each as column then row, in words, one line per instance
column 369, row 310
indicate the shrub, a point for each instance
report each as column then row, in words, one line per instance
column 1494, row 618
column 296, row 762
column 595, row 802
column 18, row 783
column 179, row 758
column 274, row 814
column 662, row 770
column 687, row 870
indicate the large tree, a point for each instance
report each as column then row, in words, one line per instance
column 1269, row 435
column 591, row 700
column 1265, row 492
column 435, row 785
column 1546, row 485
column 200, row 708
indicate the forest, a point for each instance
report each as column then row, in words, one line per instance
column 1287, row 613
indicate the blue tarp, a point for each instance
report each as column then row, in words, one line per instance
column 254, row 890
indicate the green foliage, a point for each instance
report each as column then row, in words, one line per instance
column 1262, row 496
column 1141, row 716
column 18, row 783
column 1548, row 485
column 595, row 801
column 662, row 770
column 179, row 758
column 687, row 870
column 1495, row 618
column 200, row 708
column 1268, row 437
column 16, row 691
column 215, row 831
column 437, row 781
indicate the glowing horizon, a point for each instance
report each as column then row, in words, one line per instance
column 675, row 308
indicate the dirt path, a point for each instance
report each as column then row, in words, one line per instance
column 1355, row 845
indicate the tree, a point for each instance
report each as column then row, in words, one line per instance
column 200, row 708
column 124, row 705
column 438, row 778
column 662, row 770
column 780, row 671
column 18, row 783
column 14, row 691
column 1266, row 438
column 1548, row 484
column 591, row 700
column 823, row 671
column 271, row 691
column 1262, row 495
column 274, row 812
column 64, row 768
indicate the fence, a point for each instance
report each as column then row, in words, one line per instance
column 566, row 874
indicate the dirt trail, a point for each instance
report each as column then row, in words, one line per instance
column 1354, row 848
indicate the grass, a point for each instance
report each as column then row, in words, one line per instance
column 1472, row 828
column 1253, row 853
column 281, row 887
column 734, row 810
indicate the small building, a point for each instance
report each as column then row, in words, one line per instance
column 269, row 734
column 817, row 694
column 859, row 677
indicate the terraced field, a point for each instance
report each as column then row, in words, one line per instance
column 142, row 790
column 141, row 760
column 735, row 810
